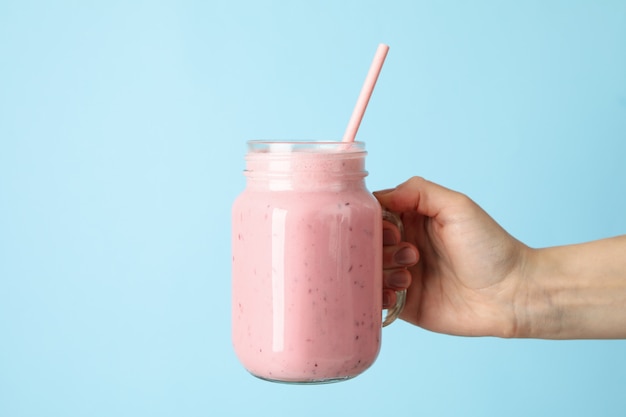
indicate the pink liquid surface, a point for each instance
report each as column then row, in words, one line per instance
column 307, row 278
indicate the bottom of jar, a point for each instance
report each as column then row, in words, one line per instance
column 305, row 382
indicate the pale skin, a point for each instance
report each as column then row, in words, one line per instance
column 465, row 275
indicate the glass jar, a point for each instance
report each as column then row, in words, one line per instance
column 307, row 263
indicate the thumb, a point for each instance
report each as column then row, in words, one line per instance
column 417, row 194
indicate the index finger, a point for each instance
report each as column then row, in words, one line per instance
column 417, row 194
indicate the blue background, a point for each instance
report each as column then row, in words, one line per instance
column 122, row 134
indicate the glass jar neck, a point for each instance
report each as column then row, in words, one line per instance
column 305, row 165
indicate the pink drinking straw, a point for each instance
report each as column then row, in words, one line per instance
column 366, row 93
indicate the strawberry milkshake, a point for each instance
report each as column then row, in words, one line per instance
column 307, row 263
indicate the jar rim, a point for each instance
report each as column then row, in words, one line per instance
column 289, row 146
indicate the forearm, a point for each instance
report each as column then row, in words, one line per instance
column 576, row 291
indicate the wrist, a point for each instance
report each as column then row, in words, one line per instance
column 537, row 312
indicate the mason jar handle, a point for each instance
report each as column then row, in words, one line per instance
column 394, row 312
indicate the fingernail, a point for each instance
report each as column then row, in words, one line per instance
column 389, row 237
column 388, row 190
column 405, row 256
column 399, row 279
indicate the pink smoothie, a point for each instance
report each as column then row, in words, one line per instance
column 307, row 269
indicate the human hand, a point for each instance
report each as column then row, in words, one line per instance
column 469, row 273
